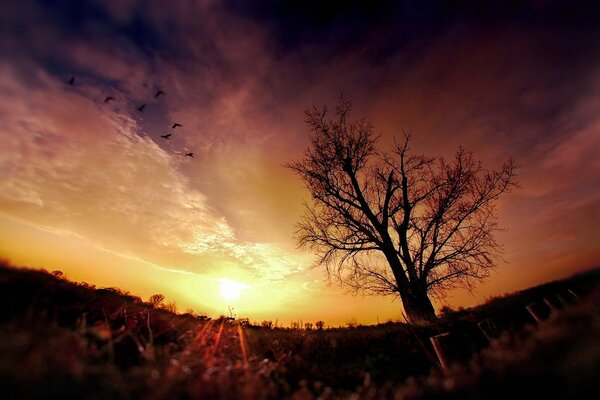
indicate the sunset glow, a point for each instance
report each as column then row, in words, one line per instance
column 231, row 290
column 98, row 181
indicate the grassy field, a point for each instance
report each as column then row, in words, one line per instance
column 60, row 339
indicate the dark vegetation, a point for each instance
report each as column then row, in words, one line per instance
column 60, row 339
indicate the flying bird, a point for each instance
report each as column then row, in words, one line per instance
column 72, row 81
column 141, row 108
column 189, row 155
column 159, row 93
column 108, row 98
column 175, row 125
column 167, row 136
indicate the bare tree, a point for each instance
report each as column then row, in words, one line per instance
column 396, row 222
column 156, row 299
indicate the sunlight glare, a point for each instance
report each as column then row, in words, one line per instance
column 231, row 290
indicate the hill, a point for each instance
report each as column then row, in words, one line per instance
column 64, row 339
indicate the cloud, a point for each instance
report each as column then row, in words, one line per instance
column 75, row 165
column 517, row 79
column 268, row 260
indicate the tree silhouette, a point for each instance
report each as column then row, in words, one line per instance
column 156, row 299
column 395, row 222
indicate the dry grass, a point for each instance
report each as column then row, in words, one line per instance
column 63, row 340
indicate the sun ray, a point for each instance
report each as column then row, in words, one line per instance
column 243, row 346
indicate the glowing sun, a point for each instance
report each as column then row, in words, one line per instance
column 231, row 290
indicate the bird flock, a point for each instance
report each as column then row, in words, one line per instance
column 141, row 108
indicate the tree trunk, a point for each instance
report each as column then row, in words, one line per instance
column 416, row 303
column 417, row 306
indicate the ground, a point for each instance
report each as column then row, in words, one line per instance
column 62, row 339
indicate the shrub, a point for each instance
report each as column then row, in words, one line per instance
column 266, row 324
column 156, row 299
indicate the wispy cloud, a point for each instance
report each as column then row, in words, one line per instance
column 73, row 164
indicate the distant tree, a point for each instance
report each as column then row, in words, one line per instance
column 134, row 299
column 267, row 324
column 58, row 274
column 156, row 299
column 202, row 316
column 171, row 307
column 308, row 326
column 446, row 311
column 395, row 222
column 319, row 325
column 353, row 323
column 87, row 285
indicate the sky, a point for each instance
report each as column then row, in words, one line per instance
column 92, row 189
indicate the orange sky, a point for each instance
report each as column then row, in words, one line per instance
column 92, row 189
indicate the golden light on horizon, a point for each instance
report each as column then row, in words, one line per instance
column 94, row 180
column 231, row 290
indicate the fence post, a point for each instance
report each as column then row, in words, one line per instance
column 533, row 313
column 552, row 308
column 438, row 349
column 480, row 325
column 561, row 300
